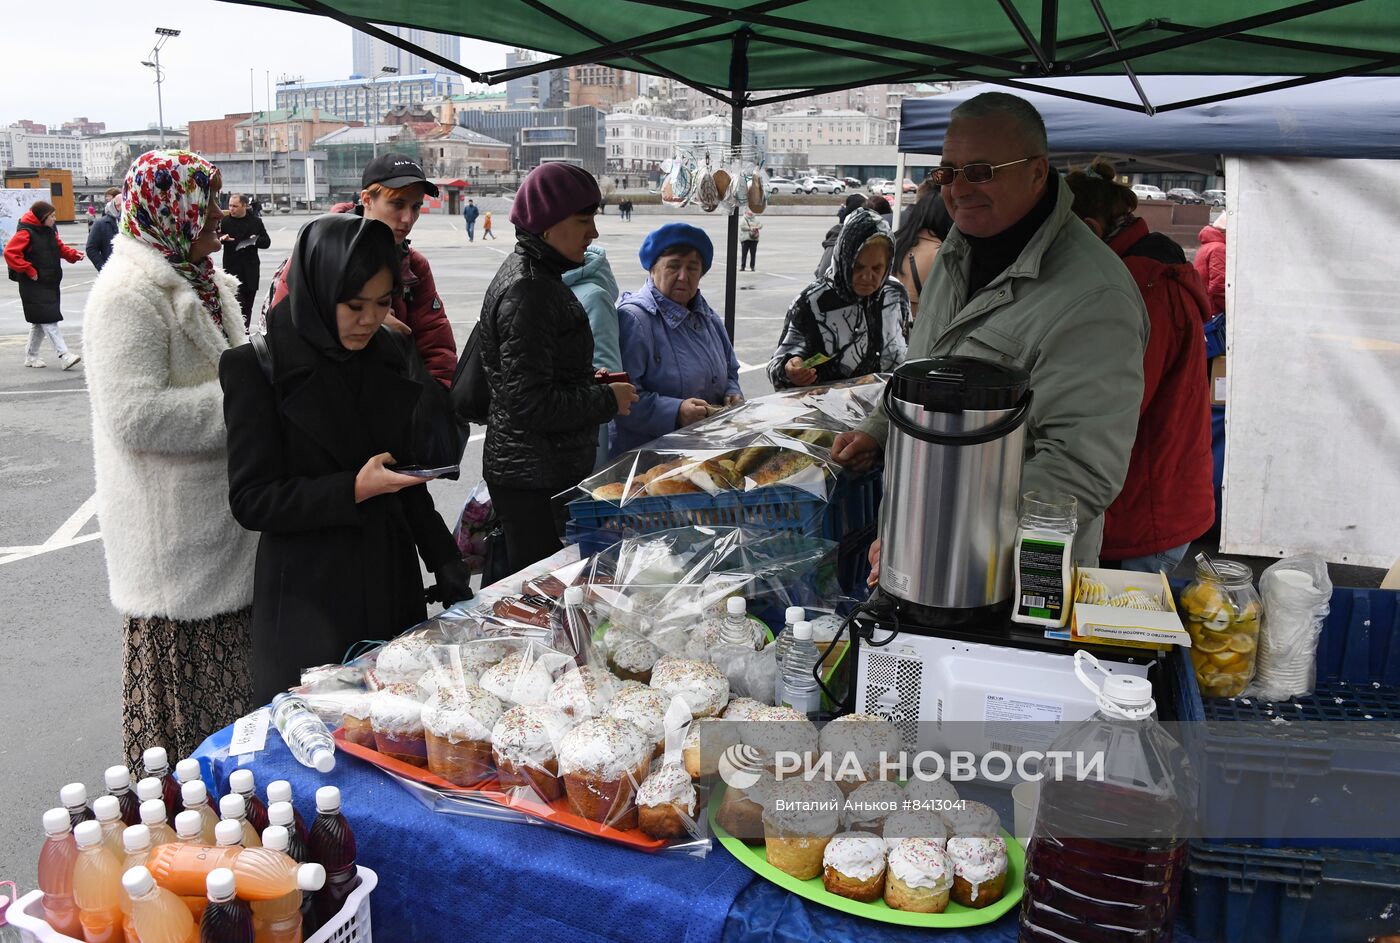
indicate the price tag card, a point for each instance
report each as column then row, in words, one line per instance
column 250, row 733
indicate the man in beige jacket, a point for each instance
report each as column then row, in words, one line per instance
column 1021, row 281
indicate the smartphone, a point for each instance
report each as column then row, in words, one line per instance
column 419, row 471
column 607, row 376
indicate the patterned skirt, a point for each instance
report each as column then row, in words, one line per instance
column 181, row 681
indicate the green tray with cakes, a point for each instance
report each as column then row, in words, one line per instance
column 754, row 856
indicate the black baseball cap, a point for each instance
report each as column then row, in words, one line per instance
column 394, row 171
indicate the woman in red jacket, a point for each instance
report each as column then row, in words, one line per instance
column 33, row 257
column 1167, row 500
column 1210, row 263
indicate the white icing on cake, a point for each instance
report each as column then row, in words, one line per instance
column 634, row 654
column 802, row 807
column 973, row 818
column 583, row 692
column 857, row 855
column 644, row 708
column 397, row 710
column 744, row 708
column 921, row 863
column 669, row 785
column 873, row 802
column 403, row 660
column 458, row 714
column 358, row 706
column 779, row 729
column 977, row 859
column 604, row 747
column 871, row 740
column 518, row 679
column 916, row 824
column 702, row 686
column 530, row 735
column 448, row 678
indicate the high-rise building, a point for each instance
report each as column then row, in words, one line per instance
column 601, row 86
column 370, row 54
column 367, row 100
column 548, row 89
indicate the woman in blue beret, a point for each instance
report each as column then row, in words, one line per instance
column 674, row 346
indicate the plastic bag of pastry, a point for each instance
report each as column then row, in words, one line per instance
column 678, row 186
column 706, row 189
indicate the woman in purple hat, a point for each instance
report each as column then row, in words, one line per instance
column 537, row 349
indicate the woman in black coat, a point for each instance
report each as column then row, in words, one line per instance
column 33, row 257
column 308, row 450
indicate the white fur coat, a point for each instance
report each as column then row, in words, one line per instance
column 151, row 356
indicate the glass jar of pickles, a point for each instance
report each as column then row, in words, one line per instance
column 1223, row 612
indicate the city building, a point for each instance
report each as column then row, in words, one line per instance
column 715, row 129
column 21, row 148
column 864, row 161
column 285, row 129
column 84, row 126
column 540, row 135
column 369, row 55
column 637, row 140
column 455, row 152
column 366, row 100
column 30, row 127
column 107, row 156
column 479, row 101
column 348, row 150
column 548, row 89
column 279, row 178
column 603, row 87
column 216, row 135
column 792, row 134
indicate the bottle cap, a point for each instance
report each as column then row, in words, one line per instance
column 277, row 838
column 138, row 881
column 328, row 799
column 323, row 760
column 281, row 813
column 155, row 760
column 220, row 884
column 117, row 778
column 573, row 596
column 152, row 812
column 187, row 771
column 232, row 806
column 802, row 631
column 228, row 832
column 1127, row 690
column 73, row 795
column 57, row 822
column 794, row 615
column 149, row 788
column 311, row 877
column 736, row 606
column 194, row 793
column 279, row 790
column 136, row 838
column 241, row 781
column 188, row 824
column 106, row 808
column 87, row 834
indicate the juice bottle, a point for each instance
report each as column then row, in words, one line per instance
column 1108, row 850
column 189, row 828
column 333, row 845
column 136, row 848
column 148, row 789
column 282, row 813
column 56, row 861
column 157, row 765
column 157, row 914
column 74, row 799
column 97, row 887
column 187, row 771
column 153, row 817
column 118, row 780
column 232, row 809
column 196, row 799
column 279, row 790
column 227, row 919
column 228, row 834
column 277, row 920
column 109, row 816
column 261, row 874
column 241, row 782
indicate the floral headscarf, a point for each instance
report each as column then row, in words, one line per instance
column 164, row 203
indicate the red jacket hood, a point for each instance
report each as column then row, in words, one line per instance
column 31, row 219
column 1211, row 234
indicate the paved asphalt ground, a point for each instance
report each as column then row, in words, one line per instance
column 60, row 654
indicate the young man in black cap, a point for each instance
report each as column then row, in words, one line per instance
column 393, row 188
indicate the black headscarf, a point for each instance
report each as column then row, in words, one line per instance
column 322, row 259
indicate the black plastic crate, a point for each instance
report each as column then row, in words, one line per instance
column 1239, row 894
column 1243, row 784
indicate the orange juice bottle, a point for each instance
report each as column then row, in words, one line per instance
column 196, row 799
column 56, row 862
column 157, row 914
column 262, row 874
column 97, row 887
column 109, row 815
column 153, row 817
column 233, row 809
column 277, row 920
column 136, row 844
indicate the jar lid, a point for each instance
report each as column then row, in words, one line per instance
column 955, row 384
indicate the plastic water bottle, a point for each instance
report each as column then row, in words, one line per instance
column 74, row 799
column 794, row 615
column 800, row 691
column 56, row 862
column 241, row 782
column 226, row 919
column 738, row 628
column 333, row 845
column 304, row 733
column 118, row 780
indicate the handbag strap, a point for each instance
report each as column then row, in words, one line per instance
column 264, row 353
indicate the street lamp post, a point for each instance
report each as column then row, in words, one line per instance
column 163, row 36
column 374, row 82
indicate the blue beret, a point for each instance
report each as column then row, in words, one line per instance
column 677, row 234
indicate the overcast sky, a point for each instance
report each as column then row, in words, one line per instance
column 94, row 68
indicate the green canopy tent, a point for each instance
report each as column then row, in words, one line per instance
column 735, row 50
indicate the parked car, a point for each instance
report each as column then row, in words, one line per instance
column 874, row 182
column 1214, row 197
column 783, row 185
column 1146, row 191
column 1184, row 195
column 852, row 183
column 821, row 185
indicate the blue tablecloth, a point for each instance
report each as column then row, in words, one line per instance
column 441, row 874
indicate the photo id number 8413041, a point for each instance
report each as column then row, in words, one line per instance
column 934, row 805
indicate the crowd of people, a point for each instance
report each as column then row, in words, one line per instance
column 280, row 464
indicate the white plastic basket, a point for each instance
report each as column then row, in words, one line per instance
column 351, row 925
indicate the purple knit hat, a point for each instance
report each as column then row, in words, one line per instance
column 551, row 194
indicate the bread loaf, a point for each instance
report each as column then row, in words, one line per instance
column 780, row 467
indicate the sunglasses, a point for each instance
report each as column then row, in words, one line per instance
column 973, row 173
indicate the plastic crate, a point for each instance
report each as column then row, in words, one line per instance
column 1243, row 785
column 1237, row 894
column 854, row 503
column 351, row 925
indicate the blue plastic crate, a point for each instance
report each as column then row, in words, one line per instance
column 1243, row 785
column 1238, row 894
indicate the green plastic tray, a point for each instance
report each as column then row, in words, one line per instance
column 755, row 859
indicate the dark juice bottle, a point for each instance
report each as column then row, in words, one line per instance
column 118, row 780
column 241, row 782
column 157, row 765
column 226, row 918
column 332, row 846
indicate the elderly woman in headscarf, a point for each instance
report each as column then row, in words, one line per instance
column 674, row 347
column 852, row 321
column 315, row 420
column 179, row 568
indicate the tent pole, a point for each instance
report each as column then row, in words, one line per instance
column 739, row 90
